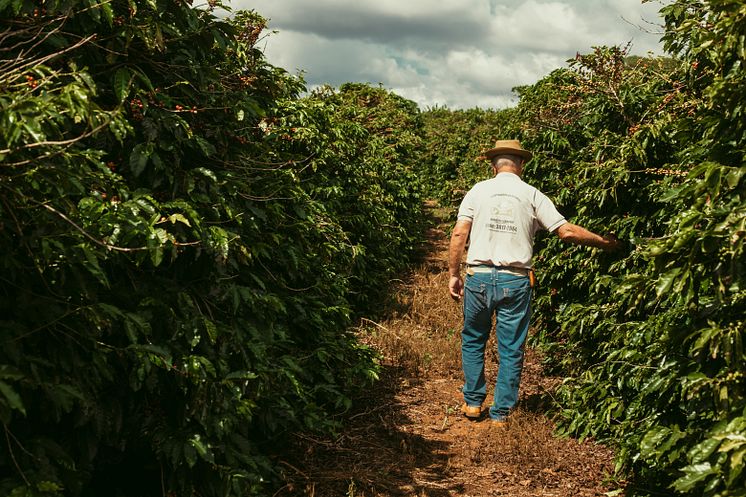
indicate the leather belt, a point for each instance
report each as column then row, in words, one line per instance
column 517, row 271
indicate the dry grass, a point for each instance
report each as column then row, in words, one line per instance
column 407, row 438
column 422, row 335
column 425, row 337
column 532, row 457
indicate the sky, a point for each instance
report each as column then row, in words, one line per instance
column 454, row 53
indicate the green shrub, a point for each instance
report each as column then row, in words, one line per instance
column 177, row 271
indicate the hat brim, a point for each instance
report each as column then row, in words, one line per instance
column 525, row 154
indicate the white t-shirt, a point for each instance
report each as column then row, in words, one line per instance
column 506, row 213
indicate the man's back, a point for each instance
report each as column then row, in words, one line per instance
column 505, row 213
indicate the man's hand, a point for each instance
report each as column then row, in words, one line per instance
column 456, row 287
column 612, row 243
column 578, row 235
column 455, row 252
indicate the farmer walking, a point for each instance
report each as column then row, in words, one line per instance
column 500, row 217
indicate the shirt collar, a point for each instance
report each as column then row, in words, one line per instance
column 507, row 174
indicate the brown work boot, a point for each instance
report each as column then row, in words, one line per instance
column 500, row 422
column 472, row 412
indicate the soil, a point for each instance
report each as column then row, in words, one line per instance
column 407, row 437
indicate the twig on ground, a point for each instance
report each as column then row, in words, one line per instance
column 371, row 411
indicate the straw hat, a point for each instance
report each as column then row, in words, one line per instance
column 512, row 147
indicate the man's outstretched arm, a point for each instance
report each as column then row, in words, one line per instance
column 578, row 235
column 455, row 254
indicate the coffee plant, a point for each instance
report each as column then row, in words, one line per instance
column 649, row 338
column 453, row 141
column 184, row 242
column 186, row 237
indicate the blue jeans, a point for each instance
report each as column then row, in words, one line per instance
column 509, row 297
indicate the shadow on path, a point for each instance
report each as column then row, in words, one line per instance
column 377, row 453
column 407, row 436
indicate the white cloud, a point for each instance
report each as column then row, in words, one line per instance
column 544, row 26
column 338, row 62
column 459, row 53
column 496, row 73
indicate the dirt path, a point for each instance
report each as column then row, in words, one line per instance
column 407, row 436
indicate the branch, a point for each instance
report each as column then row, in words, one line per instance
column 8, row 66
column 88, row 235
column 26, row 40
column 13, row 456
column 57, row 142
column 39, row 328
column 49, row 57
column 105, row 245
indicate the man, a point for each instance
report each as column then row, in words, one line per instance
column 500, row 216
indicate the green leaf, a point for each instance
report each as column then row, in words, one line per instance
column 179, row 218
column 93, row 266
column 144, row 80
column 703, row 450
column 139, row 158
column 202, row 449
column 651, row 440
column 8, row 372
column 207, row 173
column 240, row 375
column 212, row 330
column 734, row 176
column 122, row 79
column 666, row 280
column 12, row 398
column 694, row 474
column 190, row 454
column 207, row 148
column 156, row 256
column 5, row 3
column 152, row 349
